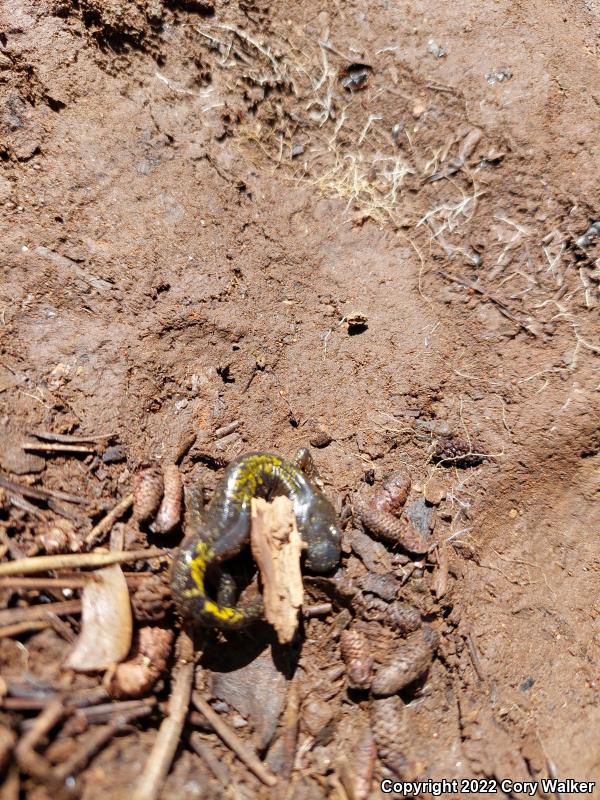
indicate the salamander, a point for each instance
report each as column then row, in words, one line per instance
column 221, row 532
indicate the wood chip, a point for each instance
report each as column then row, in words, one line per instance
column 277, row 547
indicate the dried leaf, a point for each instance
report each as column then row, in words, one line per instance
column 107, row 625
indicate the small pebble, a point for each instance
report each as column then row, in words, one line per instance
column 114, row 455
column 422, row 516
column 319, row 437
column 355, row 76
column 434, row 492
column 418, row 110
column 435, row 49
column 356, row 322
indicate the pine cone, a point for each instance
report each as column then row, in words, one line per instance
column 459, row 452
column 403, row 617
column 148, row 491
column 409, row 661
column 357, row 657
column 392, row 737
column 392, row 494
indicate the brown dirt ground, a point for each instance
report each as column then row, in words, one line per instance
column 187, row 191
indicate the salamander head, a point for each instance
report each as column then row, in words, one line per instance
column 323, row 536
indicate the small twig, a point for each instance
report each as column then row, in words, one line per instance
column 49, row 447
column 232, row 740
column 10, row 631
column 26, row 704
column 105, row 524
column 288, row 740
column 72, row 516
column 246, row 38
column 440, row 578
column 215, row 764
column 69, row 438
column 473, row 652
column 80, row 701
column 28, row 566
column 336, row 52
column 25, row 505
column 97, row 741
column 7, row 742
column 41, row 494
column 227, row 429
column 10, row 616
column 62, row 628
column 31, row 762
column 317, row 610
column 84, row 753
column 185, row 443
column 11, row 786
column 27, row 584
column 159, row 761
column 502, row 307
column 105, row 712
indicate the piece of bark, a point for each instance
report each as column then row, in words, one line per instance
column 277, row 547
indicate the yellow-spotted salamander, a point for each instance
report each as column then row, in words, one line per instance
column 223, row 530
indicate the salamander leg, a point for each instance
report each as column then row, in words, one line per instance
column 303, row 460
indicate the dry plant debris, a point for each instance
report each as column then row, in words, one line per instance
column 169, row 511
column 158, row 495
column 107, row 623
column 239, row 747
column 392, row 159
column 167, row 739
column 357, row 656
column 136, row 676
column 378, row 136
column 408, row 662
column 147, row 492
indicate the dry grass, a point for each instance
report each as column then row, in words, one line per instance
column 400, row 151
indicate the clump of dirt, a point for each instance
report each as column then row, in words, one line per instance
column 196, row 198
